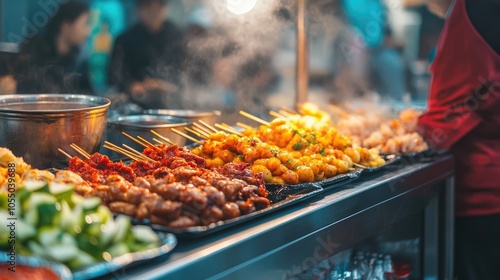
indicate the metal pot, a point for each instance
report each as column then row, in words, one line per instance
column 209, row 117
column 35, row 126
column 141, row 125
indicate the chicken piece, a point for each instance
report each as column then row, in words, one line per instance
column 231, row 210
column 181, row 222
column 142, row 182
column 211, row 214
column 41, row 175
column 167, row 209
column 249, row 191
column 215, row 196
column 184, row 174
column 231, row 189
column 194, row 197
column 198, row 181
column 246, row 207
column 123, row 207
column 168, row 190
column 260, row 202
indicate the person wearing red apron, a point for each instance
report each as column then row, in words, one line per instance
column 464, row 116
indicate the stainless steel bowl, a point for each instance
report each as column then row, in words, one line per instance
column 210, row 117
column 35, row 126
column 141, row 125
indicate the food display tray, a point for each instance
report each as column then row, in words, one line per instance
column 389, row 161
column 279, row 195
column 424, row 156
column 168, row 241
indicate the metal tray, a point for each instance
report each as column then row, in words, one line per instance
column 340, row 180
column 389, row 160
column 280, row 197
column 424, row 156
column 99, row 269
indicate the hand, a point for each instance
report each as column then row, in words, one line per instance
column 137, row 90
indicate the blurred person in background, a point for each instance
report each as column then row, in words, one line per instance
column 7, row 83
column 51, row 61
column 386, row 67
column 463, row 116
column 147, row 59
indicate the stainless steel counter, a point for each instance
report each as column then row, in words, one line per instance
column 299, row 237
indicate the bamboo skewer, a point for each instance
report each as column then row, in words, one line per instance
column 208, row 126
column 80, row 151
column 139, row 154
column 290, row 111
column 194, row 132
column 254, row 118
column 228, row 129
column 200, row 127
column 245, row 126
column 201, row 132
column 165, row 139
column 185, row 136
column 148, row 143
column 160, row 142
column 115, row 148
column 277, row 115
column 285, row 113
column 75, row 146
column 64, row 153
column 135, row 140
column 360, row 165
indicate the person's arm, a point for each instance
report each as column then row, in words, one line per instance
column 484, row 15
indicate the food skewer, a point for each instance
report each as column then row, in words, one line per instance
column 165, row 139
column 254, row 118
column 200, row 127
column 160, row 142
column 64, row 153
column 135, row 140
column 277, row 115
column 115, row 148
column 289, row 111
column 285, row 113
column 80, row 150
column 194, row 132
column 139, row 154
column 245, row 126
column 148, row 143
column 208, row 126
column 185, row 136
column 228, row 129
column 199, row 131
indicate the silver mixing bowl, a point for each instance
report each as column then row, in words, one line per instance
column 141, row 125
column 209, row 117
column 35, row 126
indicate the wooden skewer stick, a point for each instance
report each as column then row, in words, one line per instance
column 139, row 154
column 185, row 136
column 201, row 132
column 80, row 151
column 360, row 165
column 115, row 148
column 277, row 115
column 245, row 126
column 75, row 146
column 165, row 139
column 285, row 113
column 160, row 142
column 290, row 111
column 135, row 140
column 194, row 132
column 208, row 126
column 254, row 118
column 200, row 127
column 148, row 143
column 228, row 129
column 64, row 153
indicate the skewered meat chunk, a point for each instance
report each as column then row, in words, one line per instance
column 246, row 207
column 231, row 210
column 194, row 197
column 215, row 196
column 142, row 182
column 260, row 202
column 211, row 214
column 231, row 189
column 181, row 222
column 167, row 190
column 123, row 207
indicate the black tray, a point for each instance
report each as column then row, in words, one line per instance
column 389, row 160
column 340, row 180
column 424, row 156
column 280, row 197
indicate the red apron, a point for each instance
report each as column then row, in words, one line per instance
column 464, row 113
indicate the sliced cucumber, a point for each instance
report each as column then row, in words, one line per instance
column 66, row 216
column 49, row 214
column 123, row 224
column 36, row 186
column 91, row 203
column 82, row 260
column 36, row 249
column 145, row 234
column 77, row 199
column 104, row 213
column 63, row 252
column 118, row 250
column 62, row 192
column 31, row 217
column 48, row 236
column 109, row 231
column 68, row 239
column 24, row 230
column 37, row 199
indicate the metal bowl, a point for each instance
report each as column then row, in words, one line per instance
column 209, row 117
column 35, row 126
column 141, row 125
